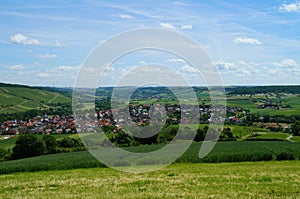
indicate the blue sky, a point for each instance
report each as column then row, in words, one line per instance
column 251, row 42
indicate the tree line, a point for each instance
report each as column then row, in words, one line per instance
column 29, row 145
column 252, row 90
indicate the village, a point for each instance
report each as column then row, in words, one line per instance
column 40, row 125
column 140, row 115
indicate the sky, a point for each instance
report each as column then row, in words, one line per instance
column 250, row 42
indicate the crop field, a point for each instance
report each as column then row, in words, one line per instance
column 222, row 152
column 224, row 180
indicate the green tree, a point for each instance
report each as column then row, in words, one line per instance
column 28, row 146
column 296, row 128
column 200, row 135
column 51, row 144
column 4, row 154
column 123, row 139
column 68, row 142
column 226, row 133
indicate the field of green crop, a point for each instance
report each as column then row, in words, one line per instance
column 222, row 152
column 224, row 180
column 18, row 99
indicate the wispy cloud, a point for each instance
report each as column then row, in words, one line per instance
column 125, row 16
column 43, row 75
column 22, row 39
column 38, row 16
column 65, row 68
column 286, row 63
column 176, row 60
column 247, row 40
column 292, row 7
column 173, row 27
column 286, row 67
column 186, row 27
column 17, row 67
column 144, row 13
column 188, row 69
column 167, row 25
column 56, row 43
column 45, row 56
column 59, row 71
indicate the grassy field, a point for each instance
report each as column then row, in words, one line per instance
column 19, row 99
column 224, row 180
column 296, row 138
column 222, row 152
column 282, row 136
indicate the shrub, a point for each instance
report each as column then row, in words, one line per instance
column 68, row 142
column 51, row 144
column 28, row 146
column 4, row 154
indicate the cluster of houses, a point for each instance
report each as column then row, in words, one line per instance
column 138, row 114
column 40, row 124
column 143, row 114
column 272, row 105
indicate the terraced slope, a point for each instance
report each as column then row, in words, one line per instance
column 15, row 99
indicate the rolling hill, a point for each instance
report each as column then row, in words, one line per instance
column 19, row 98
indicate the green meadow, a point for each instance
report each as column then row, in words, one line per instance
column 224, row 180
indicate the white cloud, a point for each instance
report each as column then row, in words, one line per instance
column 286, row 63
column 43, row 75
column 65, row 68
column 123, row 16
column 187, row 68
column 22, row 39
column 226, row 65
column 167, row 25
column 47, row 56
column 142, row 62
column 256, row 70
column 60, row 72
column 247, row 40
column 186, row 27
column 239, row 68
column 16, row 67
column 25, row 40
column 272, row 71
column 292, row 7
column 176, row 60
